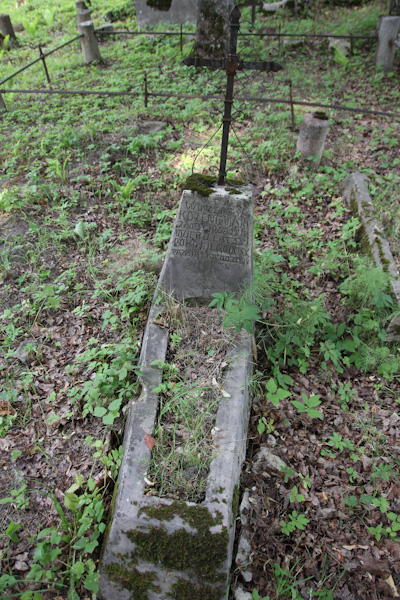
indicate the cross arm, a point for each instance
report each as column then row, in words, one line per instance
column 233, row 63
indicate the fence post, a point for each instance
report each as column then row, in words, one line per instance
column 388, row 30
column 89, row 45
column 83, row 15
column 6, row 27
column 3, row 106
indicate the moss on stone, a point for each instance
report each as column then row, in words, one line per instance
column 197, row 182
column 186, row 590
column 201, row 552
column 200, row 183
column 132, row 580
column 164, row 5
column 196, row 516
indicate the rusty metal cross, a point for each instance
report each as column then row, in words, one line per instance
column 231, row 63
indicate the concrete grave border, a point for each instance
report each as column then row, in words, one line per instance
column 157, row 548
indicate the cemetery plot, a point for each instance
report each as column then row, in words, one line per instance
column 88, row 200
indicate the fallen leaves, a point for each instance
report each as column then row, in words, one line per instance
column 149, row 441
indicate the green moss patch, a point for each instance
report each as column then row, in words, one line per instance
column 132, row 580
column 201, row 552
column 197, row 182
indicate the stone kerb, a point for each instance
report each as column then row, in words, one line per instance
column 152, row 12
column 373, row 240
column 158, row 548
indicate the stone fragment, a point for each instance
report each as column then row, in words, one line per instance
column 25, row 351
column 342, row 44
column 240, row 594
column 264, row 460
column 274, row 6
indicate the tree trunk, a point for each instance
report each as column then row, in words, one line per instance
column 213, row 28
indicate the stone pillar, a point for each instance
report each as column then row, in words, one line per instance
column 213, row 28
column 90, row 47
column 80, row 6
column 388, row 30
column 313, row 130
column 6, row 27
column 83, row 15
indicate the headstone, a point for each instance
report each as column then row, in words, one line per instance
column 152, row 12
column 387, row 34
column 211, row 248
column 212, row 32
column 311, row 140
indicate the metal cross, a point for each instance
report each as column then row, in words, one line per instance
column 232, row 63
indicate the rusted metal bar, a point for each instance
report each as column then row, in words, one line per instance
column 133, row 33
column 44, row 65
column 37, row 59
column 291, row 101
column 146, row 91
column 258, row 100
column 247, row 34
column 181, row 39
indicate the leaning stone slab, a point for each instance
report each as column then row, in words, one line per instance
column 211, row 248
column 373, row 240
column 152, row 12
column 157, row 548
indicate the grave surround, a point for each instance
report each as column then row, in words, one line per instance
column 157, row 548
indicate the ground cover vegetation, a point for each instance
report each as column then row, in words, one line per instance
column 88, row 196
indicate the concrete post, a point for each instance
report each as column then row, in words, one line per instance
column 90, row 47
column 311, row 140
column 83, row 15
column 6, row 27
column 388, row 30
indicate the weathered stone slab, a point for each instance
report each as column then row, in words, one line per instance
column 170, row 11
column 211, row 248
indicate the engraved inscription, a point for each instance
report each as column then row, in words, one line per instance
column 209, row 230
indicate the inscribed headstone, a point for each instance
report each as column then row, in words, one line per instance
column 211, row 247
column 152, row 12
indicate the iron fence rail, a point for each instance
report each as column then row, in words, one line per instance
column 41, row 57
column 244, row 33
column 258, row 100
